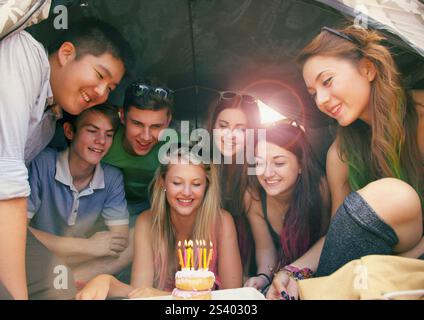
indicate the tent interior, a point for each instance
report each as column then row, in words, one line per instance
column 247, row 45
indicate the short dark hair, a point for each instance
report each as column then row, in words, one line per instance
column 96, row 37
column 110, row 111
column 149, row 101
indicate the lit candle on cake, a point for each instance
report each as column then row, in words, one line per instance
column 180, row 256
column 190, row 247
column 204, row 254
column 199, row 254
column 210, row 256
column 185, row 253
column 188, row 258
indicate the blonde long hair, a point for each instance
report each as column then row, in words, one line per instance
column 163, row 232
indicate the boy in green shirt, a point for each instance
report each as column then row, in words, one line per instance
column 147, row 111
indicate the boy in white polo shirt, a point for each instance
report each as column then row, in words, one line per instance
column 71, row 189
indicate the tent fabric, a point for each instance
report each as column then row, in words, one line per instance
column 225, row 45
column 404, row 18
column 245, row 45
column 236, row 45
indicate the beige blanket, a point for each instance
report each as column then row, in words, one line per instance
column 371, row 277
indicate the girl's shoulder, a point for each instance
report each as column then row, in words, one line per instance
column 334, row 149
column 252, row 202
column 225, row 224
column 144, row 219
column 225, row 217
column 250, row 195
column 334, row 158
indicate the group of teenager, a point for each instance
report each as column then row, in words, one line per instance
column 110, row 201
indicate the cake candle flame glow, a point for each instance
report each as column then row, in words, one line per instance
column 188, row 259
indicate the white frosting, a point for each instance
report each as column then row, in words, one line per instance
column 200, row 273
column 188, row 294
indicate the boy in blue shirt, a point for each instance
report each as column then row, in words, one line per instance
column 71, row 189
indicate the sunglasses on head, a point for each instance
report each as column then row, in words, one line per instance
column 142, row 90
column 228, row 95
column 341, row 35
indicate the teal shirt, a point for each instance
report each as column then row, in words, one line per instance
column 138, row 171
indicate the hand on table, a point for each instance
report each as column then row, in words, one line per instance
column 283, row 287
column 145, row 292
column 96, row 289
column 258, row 282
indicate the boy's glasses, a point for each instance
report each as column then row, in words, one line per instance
column 228, row 95
column 341, row 35
column 143, row 90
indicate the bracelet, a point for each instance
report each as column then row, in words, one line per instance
column 266, row 276
column 298, row 274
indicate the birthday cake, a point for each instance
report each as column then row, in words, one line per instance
column 194, row 282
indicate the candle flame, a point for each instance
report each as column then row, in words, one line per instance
column 195, row 254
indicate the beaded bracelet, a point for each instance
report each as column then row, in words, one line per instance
column 298, row 274
column 266, row 276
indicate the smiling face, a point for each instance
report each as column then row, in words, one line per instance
column 229, row 131
column 143, row 128
column 91, row 139
column 277, row 169
column 185, row 186
column 340, row 89
column 78, row 84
